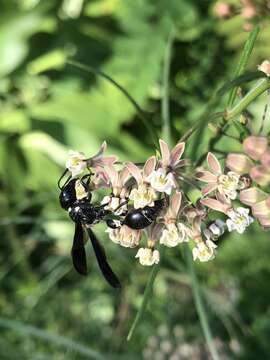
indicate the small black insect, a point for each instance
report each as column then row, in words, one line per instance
column 84, row 214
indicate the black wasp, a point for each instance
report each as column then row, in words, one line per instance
column 75, row 197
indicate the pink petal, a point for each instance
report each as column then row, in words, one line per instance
column 124, row 175
column 149, row 166
column 208, row 189
column 101, row 150
column 113, row 176
column 177, row 152
column 215, row 205
column 214, row 164
column 206, row 176
column 239, row 163
column 135, row 172
column 165, row 152
column 176, row 203
column 109, row 160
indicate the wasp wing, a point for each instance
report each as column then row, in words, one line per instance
column 102, row 260
column 78, row 251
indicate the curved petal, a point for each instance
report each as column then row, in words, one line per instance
column 165, row 152
column 176, row 153
column 135, row 172
column 214, row 164
column 208, row 189
column 149, row 166
column 176, row 203
column 215, row 205
column 206, row 176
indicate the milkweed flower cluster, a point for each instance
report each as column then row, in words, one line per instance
column 233, row 194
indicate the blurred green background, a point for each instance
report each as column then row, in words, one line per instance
column 48, row 107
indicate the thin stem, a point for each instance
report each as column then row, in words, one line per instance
column 165, row 101
column 141, row 113
column 146, row 297
column 249, row 45
column 258, row 89
column 200, row 307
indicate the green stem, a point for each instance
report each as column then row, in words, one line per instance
column 200, row 307
column 146, row 297
column 165, row 101
column 257, row 90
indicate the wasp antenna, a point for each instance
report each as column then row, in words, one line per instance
column 61, row 177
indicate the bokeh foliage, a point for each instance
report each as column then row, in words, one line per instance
column 48, row 107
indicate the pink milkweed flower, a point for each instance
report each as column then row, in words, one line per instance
column 265, row 160
column 117, row 181
column 239, row 219
column 100, row 160
column 226, row 185
column 252, row 196
column 148, row 256
column 260, row 174
column 125, row 236
column 239, row 163
column 174, row 232
column 249, row 11
column 265, row 67
column 255, row 146
column 261, row 208
column 204, row 251
column 76, row 162
column 164, row 178
column 143, row 194
column 171, row 160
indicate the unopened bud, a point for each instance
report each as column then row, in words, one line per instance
column 255, row 146
column 239, row 163
column 252, row 196
column 260, row 174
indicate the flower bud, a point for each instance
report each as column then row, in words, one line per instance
column 265, row 160
column 252, row 196
column 265, row 67
column 255, row 146
column 239, row 163
column 264, row 221
column 222, row 10
column 260, row 175
column 262, row 208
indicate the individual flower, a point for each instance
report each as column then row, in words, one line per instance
column 148, row 256
column 143, row 194
column 239, row 163
column 174, row 232
column 252, row 196
column 117, row 201
column 239, row 219
column 265, row 67
column 227, row 184
column 99, row 160
column 204, row 251
column 171, row 160
column 125, row 236
column 255, row 146
column 261, row 208
column 76, row 162
column 260, row 174
column 161, row 181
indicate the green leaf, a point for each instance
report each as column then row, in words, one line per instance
column 249, row 45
